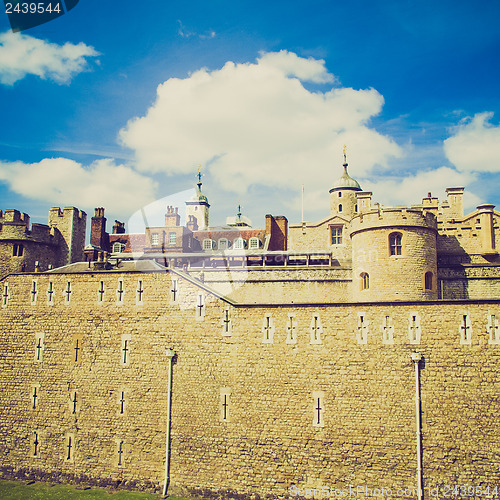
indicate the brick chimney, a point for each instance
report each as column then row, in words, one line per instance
column 98, row 235
column 172, row 217
column 192, row 223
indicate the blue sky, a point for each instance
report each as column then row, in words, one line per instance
column 115, row 104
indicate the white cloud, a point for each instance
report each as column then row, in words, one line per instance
column 410, row 190
column 63, row 181
column 255, row 123
column 475, row 147
column 22, row 55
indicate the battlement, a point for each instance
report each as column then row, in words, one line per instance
column 381, row 217
column 67, row 212
column 14, row 217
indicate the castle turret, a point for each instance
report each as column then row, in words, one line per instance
column 394, row 255
column 198, row 207
column 343, row 195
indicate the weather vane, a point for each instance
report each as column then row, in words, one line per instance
column 345, row 153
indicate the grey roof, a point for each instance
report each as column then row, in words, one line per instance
column 346, row 182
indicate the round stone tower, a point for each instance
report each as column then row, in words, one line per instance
column 343, row 195
column 394, row 255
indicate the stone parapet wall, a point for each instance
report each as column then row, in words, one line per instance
column 270, row 364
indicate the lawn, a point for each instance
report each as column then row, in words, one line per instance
column 12, row 490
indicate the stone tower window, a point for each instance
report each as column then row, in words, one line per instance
column 340, row 207
column 119, row 292
column 395, row 243
column 125, row 350
column 428, row 280
column 100, row 292
column 365, row 281
column 291, row 329
column 414, row 330
column 318, row 408
column 465, row 329
column 268, row 329
column 387, row 331
column 36, row 445
column 493, row 329
column 39, row 347
column 5, row 295
column 200, row 306
column 139, row 293
column 227, row 324
column 336, row 235
column 174, row 292
column 363, row 325
column 316, row 330
column 67, row 293
column 17, row 250
column 225, row 394
column 33, row 292
column 50, row 294
column 70, row 447
column 340, row 194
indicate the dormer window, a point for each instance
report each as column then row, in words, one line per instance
column 239, row 244
column 118, row 247
column 207, row 244
column 254, row 242
column 223, row 244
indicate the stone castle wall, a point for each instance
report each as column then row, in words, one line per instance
column 269, row 364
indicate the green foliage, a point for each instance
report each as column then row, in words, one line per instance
column 11, row 490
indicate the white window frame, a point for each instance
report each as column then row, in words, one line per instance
column 254, row 243
column 208, row 244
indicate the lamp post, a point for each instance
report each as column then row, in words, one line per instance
column 416, row 357
column 170, row 356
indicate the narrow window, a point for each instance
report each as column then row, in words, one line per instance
column 39, row 347
column 365, row 281
column 200, row 306
column 140, row 292
column 428, row 280
column 268, row 329
column 174, row 291
column 172, row 238
column 120, row 453
column 316, row 330
column 34, row 292
column 225, row 395
column 50, row 293
column 74, row 402
column 36, row 444
column 226, row 324
column 387, row 331
column 493, row 329
column 291, row 329
column 223, row 244
column 120, row 292
column 363, row 324
column 70, row 447
column 395, row 246
column 67, row 293
column 35, row 394
column 318, row 408
column 100, row 292
column 121, row 403
column 414, row 330
column 465, row 330
column 77, row 348
column 336, row 235
column 5, row 295
column 125, row 350
column 340, row 207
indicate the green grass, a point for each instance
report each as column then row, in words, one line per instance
column 12, row 490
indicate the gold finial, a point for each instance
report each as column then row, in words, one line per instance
column 345, row 154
